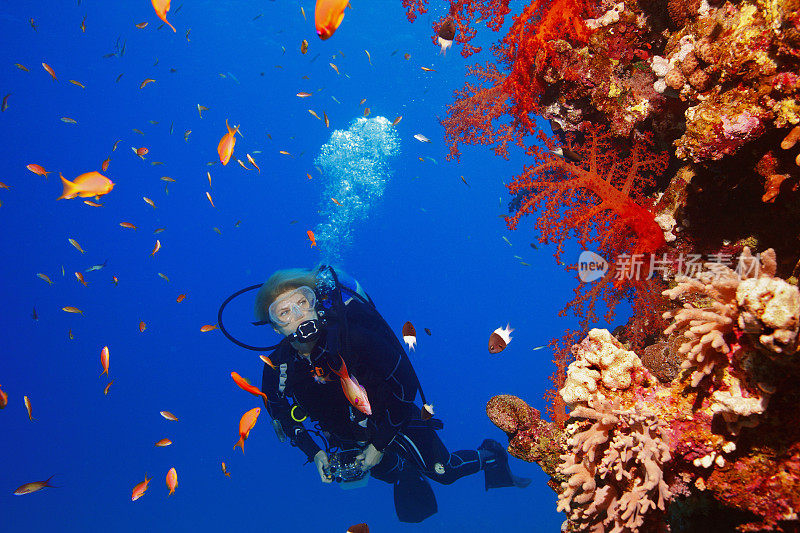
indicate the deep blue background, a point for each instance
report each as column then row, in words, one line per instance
column 431, row 252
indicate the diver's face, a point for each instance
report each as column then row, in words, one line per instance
column 295, row 316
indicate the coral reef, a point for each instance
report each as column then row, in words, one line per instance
column 722, row 437
column 702, row 432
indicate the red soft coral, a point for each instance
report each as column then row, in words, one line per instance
column 525, row 52
column 598, row 201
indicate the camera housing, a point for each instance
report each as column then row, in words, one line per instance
column 345, row 469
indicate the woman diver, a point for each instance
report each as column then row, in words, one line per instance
column 333, row 334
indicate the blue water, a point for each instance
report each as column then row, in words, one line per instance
column 430, row 250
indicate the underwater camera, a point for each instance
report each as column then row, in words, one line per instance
column 345, row 469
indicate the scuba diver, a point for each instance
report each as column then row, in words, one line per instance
column 343, row 368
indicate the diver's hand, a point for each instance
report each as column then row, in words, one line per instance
column 321, row 460
column 369, row 457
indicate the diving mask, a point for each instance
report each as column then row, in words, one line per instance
column 292, row 306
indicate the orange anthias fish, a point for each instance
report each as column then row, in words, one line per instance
column 104, row 360
column 161, row 7
column 3, row 399
column 140, row 489
column 245, row 386
column 247, row 423
column 172, row 480
column 311, row 238
column 225, row 470
column 38, row 169
column 226, row 144
column 328, row 14
column 28, row 407
column 86, row 185
column 356, row 394
column 28, row 488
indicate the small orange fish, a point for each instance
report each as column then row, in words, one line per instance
column 208, row 195
column 114, row 149
column 162, row 443
column 3, row 399
column 142, row 25
column 70, row 309
column 268, row 361
column 44, row 277
column 358, row 528
column 327, row 122
column 208, row 327
column 149, row 202
column 27, row 403
column 172, row 480
column 336, row 201
column 38, row 169
column 314, row 113
column 247, row 422
column 245, row 386
column 141, row 152
column 83, row 24
column 104, row 360
column 169, row 416
column 79, row 275
column 225, row 469
column 180, row 298
column 49, row 70
column 396, row 121
column 156, row 248
column 161, row 7
column 142, row 326
column 77, row 83
column 163, row 276
column 127, row 225
column 253, row 162
column 93, row 204
column 28, row 488
column 115, row 280
column 304, row 47
column 328, row 15
column 303, row 95
column 311, row 238
column 146, row 82
column 226, row 144
column 105, row 391
column 158, row 230
column 85, row 185
column 334, row 67
column 104, row 165
column 21, row 67
column 426, row 69
column 140, row 489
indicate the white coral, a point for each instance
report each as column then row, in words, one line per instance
column 599, row 358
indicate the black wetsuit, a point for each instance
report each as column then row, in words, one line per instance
column 377, row 360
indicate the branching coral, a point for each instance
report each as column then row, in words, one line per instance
column 746, row 300
column 615, row 460
column 596, row 200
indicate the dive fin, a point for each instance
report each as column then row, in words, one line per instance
column 496, row 470
column 414, row 500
